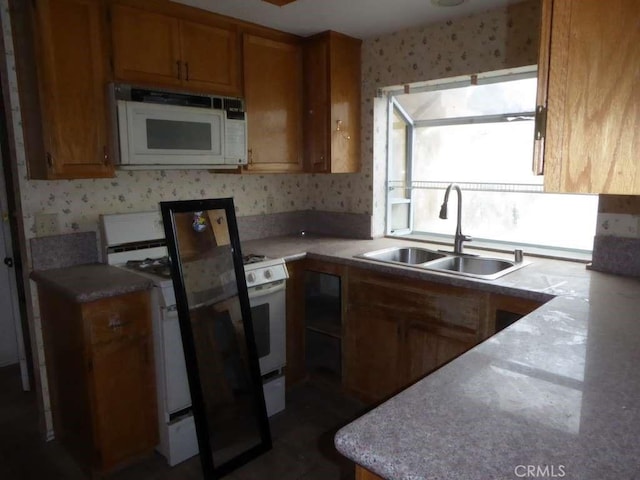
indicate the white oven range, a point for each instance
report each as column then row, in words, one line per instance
column 136, row 241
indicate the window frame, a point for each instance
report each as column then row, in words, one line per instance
column 394, row 106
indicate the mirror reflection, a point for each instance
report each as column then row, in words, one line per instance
column 217, row 332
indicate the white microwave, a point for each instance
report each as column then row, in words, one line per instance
column 162, row 130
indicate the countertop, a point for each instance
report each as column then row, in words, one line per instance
column 86, row 283
column 554, row 395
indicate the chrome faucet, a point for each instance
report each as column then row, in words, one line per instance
column 459, row 237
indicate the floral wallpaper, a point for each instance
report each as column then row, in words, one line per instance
column 491, row 40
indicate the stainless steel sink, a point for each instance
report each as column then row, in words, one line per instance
column 485, row 268
column 403, row 255
column 478, row 267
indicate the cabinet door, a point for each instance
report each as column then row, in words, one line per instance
column 593, row 121
column 121, row 376
column 146, row 47
column 210, row 56
column 371, row 352
column 332, row 103
column 273, row 95
column 316, row 115
column 426, row 349
column 72, row 74
column 295, row 370
column 124, row 397
column 344, row 123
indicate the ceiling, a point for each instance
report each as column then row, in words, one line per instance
column 358, row 18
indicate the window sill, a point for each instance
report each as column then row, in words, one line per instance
column 580, row 256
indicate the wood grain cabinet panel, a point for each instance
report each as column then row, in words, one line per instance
column 399, row 329
column 175, row 51
column 372, row 352
column 332, row 103
column 273, row 97
column 427, row 348
column 364, row 474
column 66, row 133
column 156, row 57
column 295, row 370
column 211, row 56
column 593, row 121
column 101, row 376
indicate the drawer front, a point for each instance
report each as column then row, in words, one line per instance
column 116, row 318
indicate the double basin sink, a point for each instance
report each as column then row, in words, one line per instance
column 466, row 265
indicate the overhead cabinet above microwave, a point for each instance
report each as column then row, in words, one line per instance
column 157, row 49
column 158, row 130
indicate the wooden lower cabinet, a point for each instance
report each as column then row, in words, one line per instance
column 372, row 367
column 364, row 474
column 398, row 330
column 101, row 376
column 295, row 370
column 427, row 348
column 395, row 329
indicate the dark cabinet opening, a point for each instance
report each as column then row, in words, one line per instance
column 323, row 325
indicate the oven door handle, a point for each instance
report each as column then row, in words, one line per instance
column 274, row 287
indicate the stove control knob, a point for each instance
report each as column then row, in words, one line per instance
column 268, row 274
column 251, row 278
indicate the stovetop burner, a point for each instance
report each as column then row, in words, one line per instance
column 157, row 266
column 252, row 258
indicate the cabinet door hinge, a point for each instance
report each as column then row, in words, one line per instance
column 541, row 122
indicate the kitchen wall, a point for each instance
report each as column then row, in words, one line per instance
column 488, row 41
column 617, row 241
column 493, row 40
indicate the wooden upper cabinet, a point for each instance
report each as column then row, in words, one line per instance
column 68, row 135
column 210, row 56
column 175, row 52
column 273, row 98
column 146, row 46
column 593, row 122
column 332, row 103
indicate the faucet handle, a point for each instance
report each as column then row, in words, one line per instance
column 467, row 238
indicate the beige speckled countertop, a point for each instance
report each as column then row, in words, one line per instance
column 555, row 395
column 86, row 283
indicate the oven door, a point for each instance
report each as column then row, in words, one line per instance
column 175, row 370
column 268, row 312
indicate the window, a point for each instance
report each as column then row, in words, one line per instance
column 479, row 136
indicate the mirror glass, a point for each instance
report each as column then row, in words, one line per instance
column 217, row 333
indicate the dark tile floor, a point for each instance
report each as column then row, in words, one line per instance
column 302, row 441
